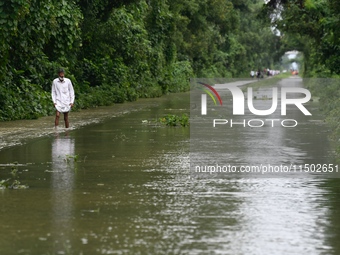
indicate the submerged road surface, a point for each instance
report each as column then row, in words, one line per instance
column 123, row 186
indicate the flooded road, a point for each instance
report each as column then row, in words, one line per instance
column 123, row 186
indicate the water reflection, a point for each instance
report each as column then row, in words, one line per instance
column 289, row 210
column 240, row 216
column 62, row 189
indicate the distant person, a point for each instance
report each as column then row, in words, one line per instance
column 252, row 74
column 62, row 97
column 259, row 74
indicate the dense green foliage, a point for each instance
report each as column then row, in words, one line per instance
column 115, row 51
column 312, row 27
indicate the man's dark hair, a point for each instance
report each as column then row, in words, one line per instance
column 61, row 70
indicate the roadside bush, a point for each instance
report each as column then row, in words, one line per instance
column 328, row 93
column 24, row 100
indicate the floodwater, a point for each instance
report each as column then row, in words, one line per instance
column 123, row 186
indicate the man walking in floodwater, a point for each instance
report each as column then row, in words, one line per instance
column 62, row 97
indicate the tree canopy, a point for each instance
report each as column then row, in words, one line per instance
column 115, row 51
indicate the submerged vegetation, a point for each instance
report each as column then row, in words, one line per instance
column 13, row 182
column 68, row 158
column 175, row 120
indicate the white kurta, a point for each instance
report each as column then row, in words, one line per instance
column 62, row 94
